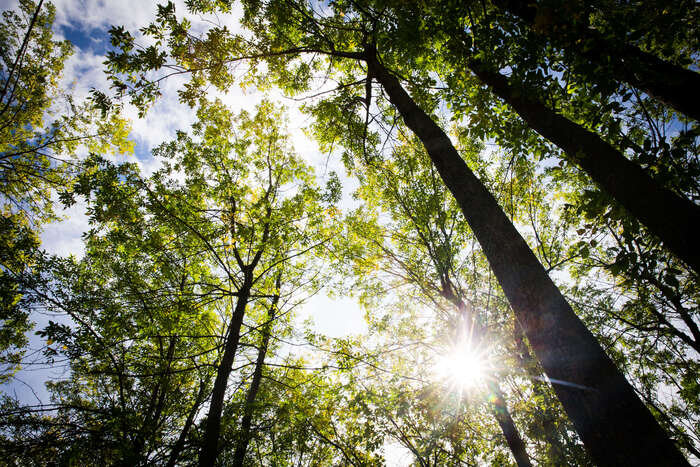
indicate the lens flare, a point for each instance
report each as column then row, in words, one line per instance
column 464, row 365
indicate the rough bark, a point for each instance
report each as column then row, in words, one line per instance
column 671, row 84
column 615, row 426
column 246, row 421
column 209, row 451
column 672, row 218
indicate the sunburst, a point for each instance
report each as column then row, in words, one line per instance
column 464, row 365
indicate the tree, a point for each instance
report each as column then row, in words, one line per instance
column 670, row 83
column 166, row 255
column 140, row 337
column 16, row 247
column 246, row 421
column 37, row 138
column 257, row 225
column 555, row 330
column 427, row 221
column 352, row 34
column 424, row 251
column 42, row 130
column 673, row 218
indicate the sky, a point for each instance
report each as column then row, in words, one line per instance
column 85, row 24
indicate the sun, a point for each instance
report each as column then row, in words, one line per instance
column 464, row 365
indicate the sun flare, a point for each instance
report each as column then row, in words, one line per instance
column 464, row 366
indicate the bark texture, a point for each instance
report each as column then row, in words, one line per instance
column 671, row 84
column 615, row 426
column 672, row 218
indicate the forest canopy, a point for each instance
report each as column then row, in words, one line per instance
column 506, row 192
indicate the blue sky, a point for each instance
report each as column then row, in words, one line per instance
column 86, row 25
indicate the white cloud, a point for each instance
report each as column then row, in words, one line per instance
column 334, row 317
column 84, row 71
column 88, row 15
column 64, row 238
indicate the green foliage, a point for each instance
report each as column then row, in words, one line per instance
column 43, row 125
column 43, row 130
column 165, row 260
column 17, row 244
column 167, row 256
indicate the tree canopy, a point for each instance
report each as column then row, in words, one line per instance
column 516, row 216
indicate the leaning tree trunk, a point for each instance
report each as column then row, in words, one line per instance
column 209, row 451
column 473, row 329
column 671, row 84
column 180, row 443
column 557, row 450
column 497, row 403
column 245, row 433
column 672, row 218
column 505, row 421
column 615, row 426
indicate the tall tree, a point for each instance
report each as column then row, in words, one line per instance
column 43, row 128
column 671, row 217
column 246, row 421
column 254, row 206
column 586, row 379
column 568, row 25
column 183, row 240
column 428, row 221
column 141, row 336
column 585, row 383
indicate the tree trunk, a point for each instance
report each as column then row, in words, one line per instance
column 614, row 424
column 207, row 456
column 672, row 218
column 17, row 62
column 245, row 435
column 152, row 413
column 546, row 416
column 180, row 443
column 505, row 421
column 671, row 84
column 473, row 326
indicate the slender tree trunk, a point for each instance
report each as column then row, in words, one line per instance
column 152, row 413
column 505, row 421
column 474, row 327
column 180, row 443
column 671, row 84
column 17, row 63
column 614, row 424
column 672, row 218
column 207, row 456
column 163, row 389
column 245, row 434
